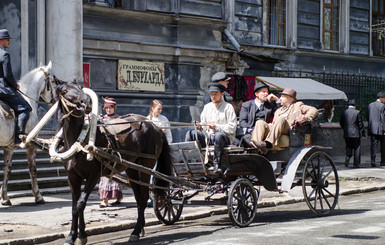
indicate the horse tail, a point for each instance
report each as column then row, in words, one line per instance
column 164, row 165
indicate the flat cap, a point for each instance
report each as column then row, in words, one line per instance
column 220, row 76
column 381, row 95
column 216, row 87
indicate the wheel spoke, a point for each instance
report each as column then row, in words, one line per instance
column 326, row 199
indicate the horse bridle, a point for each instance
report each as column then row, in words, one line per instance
column 66, row 104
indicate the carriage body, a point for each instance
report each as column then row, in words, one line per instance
column 300, row 164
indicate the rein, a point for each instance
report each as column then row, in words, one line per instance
column 48, row 87
column 67, row 103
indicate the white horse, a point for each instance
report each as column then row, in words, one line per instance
column 36, row 83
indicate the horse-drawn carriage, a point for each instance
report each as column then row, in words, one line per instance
column 87, row 147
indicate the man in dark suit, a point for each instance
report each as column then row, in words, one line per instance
column 376, row 128
column 258, row 109
column 9, row 87
column 351, row 123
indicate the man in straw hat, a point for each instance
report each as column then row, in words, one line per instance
column 218, row 123
column 376, row 128
column 351, row 123
column 285, row 117
column 9, row 87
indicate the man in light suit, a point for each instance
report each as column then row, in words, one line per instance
column 285, row 117
column 259, row 109
column 351, row 123
column 376, row 128
column 9, row 87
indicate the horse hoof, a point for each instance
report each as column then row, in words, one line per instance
column 81, row 241
column 39, row 200
column 133, row 238
column 6, row 203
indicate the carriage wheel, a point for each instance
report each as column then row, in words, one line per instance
column 242, row 202
column 320, row 184
column 168, row 206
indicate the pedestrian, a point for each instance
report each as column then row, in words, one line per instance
column 217, row 126
column 222, row 78
column 108, row 188
column 9, row 87
column 285, row 117
column 351, row 123
column 376, row 128
column 158, row 119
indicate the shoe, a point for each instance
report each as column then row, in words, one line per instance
column 217, row 169
column 261, row 146
column 18, row 141
column 347, row 159
column 382, row 164
column 373, row 164
column 116, row 203
column 104, row 205
column 356, row 166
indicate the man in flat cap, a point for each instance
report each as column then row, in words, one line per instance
column 376, row 128
column 218, row 123
column 259, row 110
column 9, row 87
column 351, row 123
column 221, row 78
column 285, row 117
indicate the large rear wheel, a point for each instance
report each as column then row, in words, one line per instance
column 320, row 184
column 242, row 202
column 168, row 206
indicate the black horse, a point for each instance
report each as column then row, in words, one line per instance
column 140, row 136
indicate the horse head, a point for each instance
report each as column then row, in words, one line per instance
column 47, row 93
column 73, row 100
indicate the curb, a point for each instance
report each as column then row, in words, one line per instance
column 97, row 230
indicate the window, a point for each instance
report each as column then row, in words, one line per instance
column 330, row 33
column 378, row 18
column 277, row 22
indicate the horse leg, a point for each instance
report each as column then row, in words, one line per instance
column 141, row 194
column 31, row 155
column 8, row 153
column 81, row 205
column 75, row 187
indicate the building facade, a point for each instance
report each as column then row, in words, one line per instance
column 140, row 50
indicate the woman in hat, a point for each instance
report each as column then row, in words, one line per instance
column 109, row 189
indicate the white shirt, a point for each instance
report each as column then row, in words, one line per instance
column 161, row 121
column 223, row 116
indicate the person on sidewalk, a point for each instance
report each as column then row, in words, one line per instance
column 9, row 87
column 218, row 125
column 257, row 113
column 285, row 117
column 109, row 189
column 376, row 128
column 222, row 78
column 351, row 123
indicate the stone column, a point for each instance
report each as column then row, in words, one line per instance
column 64, row 38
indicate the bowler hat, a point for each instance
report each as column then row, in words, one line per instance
column 109, row 102
column 290, row 92
column 352, row 102
column 381, row 95
column 216, row 87
column 260, row 85
column 220, row 76
column 4, row 34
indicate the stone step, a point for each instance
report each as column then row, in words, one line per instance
column 41, row 171
column 46, row 182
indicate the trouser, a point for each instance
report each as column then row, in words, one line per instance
column 353, row 146
column 374, row 139
column 21, row 109
column 219, row 140
column 279, row 127
column 261, row 130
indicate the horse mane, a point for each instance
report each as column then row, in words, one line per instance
column 31, row 75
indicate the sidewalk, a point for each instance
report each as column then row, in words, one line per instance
column 27, row 223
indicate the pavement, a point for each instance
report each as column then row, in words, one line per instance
column 28, row 223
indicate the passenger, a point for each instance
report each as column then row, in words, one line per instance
column 158, row 119
column 259, row 109
column 222, row 78
column 109, row 189
column 285, row 117
column 218, row 123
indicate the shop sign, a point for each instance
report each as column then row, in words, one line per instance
column 141, row 76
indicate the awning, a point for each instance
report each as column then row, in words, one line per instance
column 307, row 89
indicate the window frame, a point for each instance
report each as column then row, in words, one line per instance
column 283, row 26
column 333, row 33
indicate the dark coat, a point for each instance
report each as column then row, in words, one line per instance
column 247, row 113
column 351, row 123
column 8, row 83
column 375, row 117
